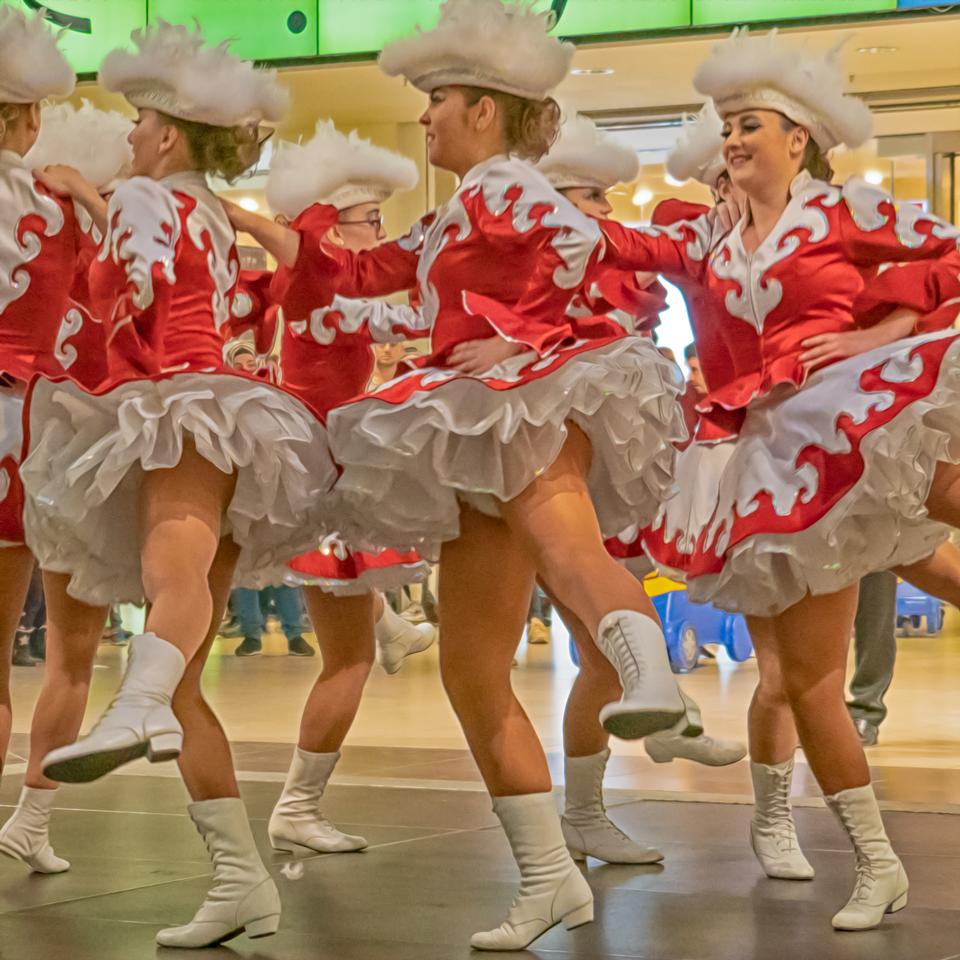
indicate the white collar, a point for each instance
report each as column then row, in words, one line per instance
column 11, row 159
column 477, row 171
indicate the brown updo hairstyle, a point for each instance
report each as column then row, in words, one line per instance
column 9, row 114
column 815, row 161
column 530, row 127
column 226, row 152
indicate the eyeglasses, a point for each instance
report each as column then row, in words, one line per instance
column 376, row 221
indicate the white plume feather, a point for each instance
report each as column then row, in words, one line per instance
column 585, row 156
column 173, row 71
column 499, row 44
column 31, row 65
column 756, row 72
column 698, row 152
column 332, row 167
column 94, row 141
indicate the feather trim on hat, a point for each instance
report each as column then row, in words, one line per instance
column 766, row 73
column 498, row 44
column 31, row 65
column 335, row 168
column 584, row 156
column 94, row 141
column 172, row 71
column 698, row 154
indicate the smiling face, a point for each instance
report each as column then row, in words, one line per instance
column 448, row 125
column 589, row 200
column 759, row 150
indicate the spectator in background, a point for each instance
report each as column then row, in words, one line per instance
column 30, row 641
column 694, row 392
column 241, row 356
column 387, row 358
column 252, row 607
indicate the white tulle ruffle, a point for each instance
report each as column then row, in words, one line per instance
column 87, row 455
column 412, row 451
column 823, row 485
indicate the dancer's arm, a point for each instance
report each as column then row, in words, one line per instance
column 67, row 182
column 875, row 229
column 826, row 348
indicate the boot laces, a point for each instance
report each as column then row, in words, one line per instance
column 784, row 832
column 631, row 669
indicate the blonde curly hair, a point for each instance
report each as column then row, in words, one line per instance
column 226, row 152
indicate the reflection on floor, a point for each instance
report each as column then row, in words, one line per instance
column 437, row 869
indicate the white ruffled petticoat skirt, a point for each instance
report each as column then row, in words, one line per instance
column 421, row 444
column 87, row 455
column 11, row 445
column 822, row 486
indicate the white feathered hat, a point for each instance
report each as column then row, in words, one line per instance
column 698, row 154
column 766, row 73
column 498, row 44
column 31, row 66
column 94, row 141
column 583, row 156
column 337, row 169
column 174, row 72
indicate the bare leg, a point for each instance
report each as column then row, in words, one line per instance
column 943, row 501
column 812, row 638
column 180, row 535
column 485, row 588
column 16, row 567
column 773, row 735
column 344, row 629
column 206, row 763
column 74, row 630
column 596, row 685
column 938, row 575
column 555, row 520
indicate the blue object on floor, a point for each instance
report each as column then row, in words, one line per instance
column 690, row 626
column 916, row 609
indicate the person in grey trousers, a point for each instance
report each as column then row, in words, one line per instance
column 875, row 653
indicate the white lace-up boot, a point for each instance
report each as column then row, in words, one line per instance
column 243, row 897
column 651, row 700
column 552, row 889
column 26, row 835
column 881, row 886
column 398, row 639
column 139, row 722
column 296, row 822
column 773, row 834
column 587, row 829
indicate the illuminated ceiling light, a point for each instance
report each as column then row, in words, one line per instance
column 673, row 181
column 249, row 203
column 874, row 51
column 592, row 72
column 873, row 177
column 642, row 196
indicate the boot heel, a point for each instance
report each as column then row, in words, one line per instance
column 578, row 917
column 264, row 927
column 577, row 855
column 164, row 746
column 899, row 903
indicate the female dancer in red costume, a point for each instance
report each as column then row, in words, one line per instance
column 176, row 471
column 41, row 331
column 322, row 366
column 510, row 450
column 583, row 165
column 801, row 482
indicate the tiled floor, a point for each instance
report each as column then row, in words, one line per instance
column 438, row 868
